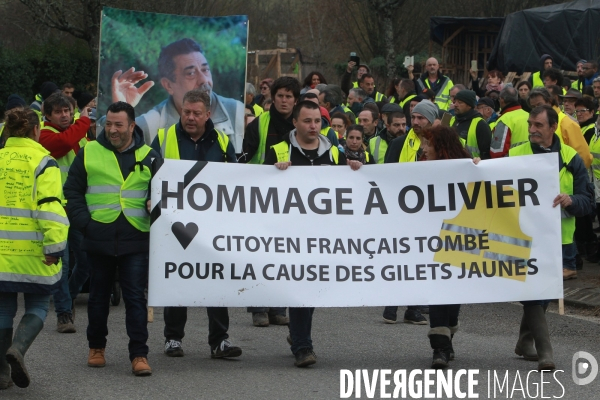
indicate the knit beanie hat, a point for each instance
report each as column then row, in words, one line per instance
column 427, row 109
column 14, row 101
column 468, row 97
column 84, row 99
column 47, row 89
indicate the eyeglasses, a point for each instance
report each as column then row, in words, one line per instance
column 582, row 111
column 264, row 88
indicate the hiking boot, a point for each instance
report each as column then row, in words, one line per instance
column 440, row 340
column 96, row 358
column 390, row 314
column 140, row 367
column 5, row 342
column 64, row 323
column 173, row 348
column 305, row 357
column 28, row 329
column 224, row 350
column 260, row 319
column 278, row 319
column 569, row 274
column 414, row 316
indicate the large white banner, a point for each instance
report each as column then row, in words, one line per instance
column 437, row 232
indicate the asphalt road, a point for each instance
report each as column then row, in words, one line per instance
column 344, row 338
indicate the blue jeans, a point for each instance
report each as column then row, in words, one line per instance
column 81, row 270
column 569, row 254
column 36, row 304
column 61, row 295
column 133, row 277
column 300, row 327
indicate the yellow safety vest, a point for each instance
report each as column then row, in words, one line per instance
column 64, row 163
column 567, row 153
column 169, row 148
column 378, row 96
column 406, row 100
column 577, row 85
column 442, row 97
column 471, row 142
column 257, row 110
column 263, row 130
column 595, row 150
column 284, row 149
column 558, row 132
column 378, row 147
column 536, row 79
column 108, row 194
column 516, row 121
column 411, row 146
column 506, row 242
column 33, row 222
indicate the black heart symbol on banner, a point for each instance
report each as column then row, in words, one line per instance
column 184, row 233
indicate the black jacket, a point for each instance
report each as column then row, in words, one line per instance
column 278, row 127
column 583, row 197
column 462, row 123
column 119, row 237
column 207, row 148
column 298, row 157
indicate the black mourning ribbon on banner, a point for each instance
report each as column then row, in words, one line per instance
column 187, row 179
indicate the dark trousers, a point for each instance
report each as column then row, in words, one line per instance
column 444, row 315
column 300, row 327
column 584, row 229
column 133, row 277
column 218, row 324
column 81, row 270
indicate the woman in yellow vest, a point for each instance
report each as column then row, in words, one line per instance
column 442, row 143
column 33, row 237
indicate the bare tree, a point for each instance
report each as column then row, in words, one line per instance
column 385, row 10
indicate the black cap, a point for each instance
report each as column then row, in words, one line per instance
column 47, row 89
column 83, row 99
column 486, row 101
column 14, row 101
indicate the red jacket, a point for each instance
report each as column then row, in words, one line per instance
column 60, row 144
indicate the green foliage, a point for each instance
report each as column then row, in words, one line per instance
column 24, row 71
column 135, row 39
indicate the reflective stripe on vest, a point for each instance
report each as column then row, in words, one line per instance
column 567, row 153
column 263, row 130
column 407, row 99
column 378, row 147
column 169, row 148
column 536, row 79
column 411, row 146
column 108, row 194
column 378, row 96
column 283, row 150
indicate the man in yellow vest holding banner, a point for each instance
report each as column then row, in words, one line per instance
column 576, row 199
column 195, row 138
column 63, row 139
column 107, row 191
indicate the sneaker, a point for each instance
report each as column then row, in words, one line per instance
column 224, row 350
column 414, row 316
column 278, row 319
column 260, row 319
column 440, row 359
column 305, row 357
column 289, row 339
column 96, row 358
column 569, row 274
column 390, row 315
column 173, row 348
column 64, row 323
column 140, row 367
